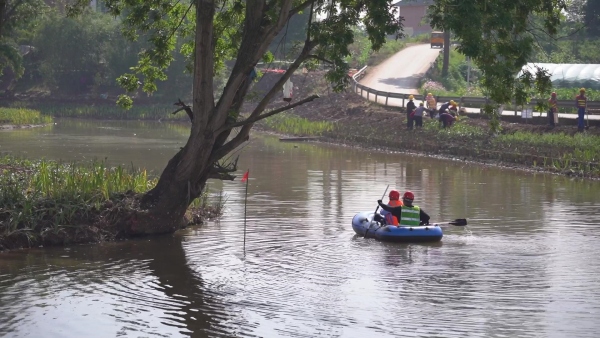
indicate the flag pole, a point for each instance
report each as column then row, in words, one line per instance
column 245, row 203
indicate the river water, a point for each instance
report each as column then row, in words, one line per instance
column 526, row 266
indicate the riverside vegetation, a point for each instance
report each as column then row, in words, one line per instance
column 52, row 203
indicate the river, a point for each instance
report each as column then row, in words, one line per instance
column 526, row 266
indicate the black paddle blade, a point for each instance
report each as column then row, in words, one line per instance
column 459, row 222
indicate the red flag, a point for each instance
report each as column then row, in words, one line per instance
column 245, row 177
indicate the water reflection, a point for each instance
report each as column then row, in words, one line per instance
column 525, row 267
column 109, row 290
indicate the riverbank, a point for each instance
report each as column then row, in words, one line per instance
column 46, row 203
column 358, row 122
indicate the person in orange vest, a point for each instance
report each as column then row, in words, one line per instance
column 553, row 102
column 581, row 104
column 408, row 215
column 394, row 202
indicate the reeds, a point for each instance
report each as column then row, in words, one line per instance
column 46, row 193
column 295, row 125
column 110, row 111
column 20, row 116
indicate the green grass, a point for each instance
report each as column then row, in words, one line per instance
column 109, row 111
column 580, row 147
column 42, row 197
column 35, row 193
column 20, row 116
column 291, row 124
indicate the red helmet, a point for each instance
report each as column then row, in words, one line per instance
column 394, row 195
column 409, row 195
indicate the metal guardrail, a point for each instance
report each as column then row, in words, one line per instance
column 462, row 101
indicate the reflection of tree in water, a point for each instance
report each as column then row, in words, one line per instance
column 177, row 280
column 141, row 285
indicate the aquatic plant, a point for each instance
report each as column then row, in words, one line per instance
column 41, row 196
column 295, row 125
column 20, row 116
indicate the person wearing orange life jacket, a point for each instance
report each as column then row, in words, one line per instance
column 394, row 202
column 408, row 215
column 553, row 102
column 581, row 104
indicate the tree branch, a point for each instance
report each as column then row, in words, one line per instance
column 300, row 7
column 270, row 113
column 242, row 136
column 316, row 57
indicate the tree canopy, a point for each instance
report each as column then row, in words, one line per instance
column 500, row 36
column 16, row 15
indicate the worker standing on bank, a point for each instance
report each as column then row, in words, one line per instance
column 410, row 107
column 431, row 104
column 581, row 104
column 553, row 109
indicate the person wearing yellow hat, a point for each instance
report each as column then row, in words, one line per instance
column 444, row 107
column 410, row 107
column 431, row 104
column 581, row 104
column 553, row 111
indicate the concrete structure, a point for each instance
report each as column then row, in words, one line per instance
column 413, row 12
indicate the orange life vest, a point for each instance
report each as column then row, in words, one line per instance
column 389, row 218
column 581, row 100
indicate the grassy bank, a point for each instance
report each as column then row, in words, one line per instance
column 569, row 154
column 108, row 111
column 49, row 203
column 23, row 116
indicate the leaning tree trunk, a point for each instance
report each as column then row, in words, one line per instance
column 162, row 209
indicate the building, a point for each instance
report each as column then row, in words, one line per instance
column 413, row 12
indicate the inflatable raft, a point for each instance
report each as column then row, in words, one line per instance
column 363, row 221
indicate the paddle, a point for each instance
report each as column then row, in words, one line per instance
column 457, row 222
column 386, row 189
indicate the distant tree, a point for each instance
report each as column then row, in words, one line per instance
column 15, row 15
column 73, row 52
column 592, row 18
column 499, row 38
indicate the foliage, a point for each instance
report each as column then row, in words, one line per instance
column 455, row 82
column 16, row 15
column 592, row 18
column 497, row 37
column 292, row 124
column 34, row 192
column 168, row 22
column 20, row 116
column 362, row 53
column 74, row 51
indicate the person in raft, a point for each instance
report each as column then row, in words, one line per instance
column 394, row 202
column 408, row 215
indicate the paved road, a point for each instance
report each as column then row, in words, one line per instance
column 401, row 74
column 402, row 71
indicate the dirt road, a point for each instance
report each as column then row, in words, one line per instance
column 401, row 72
